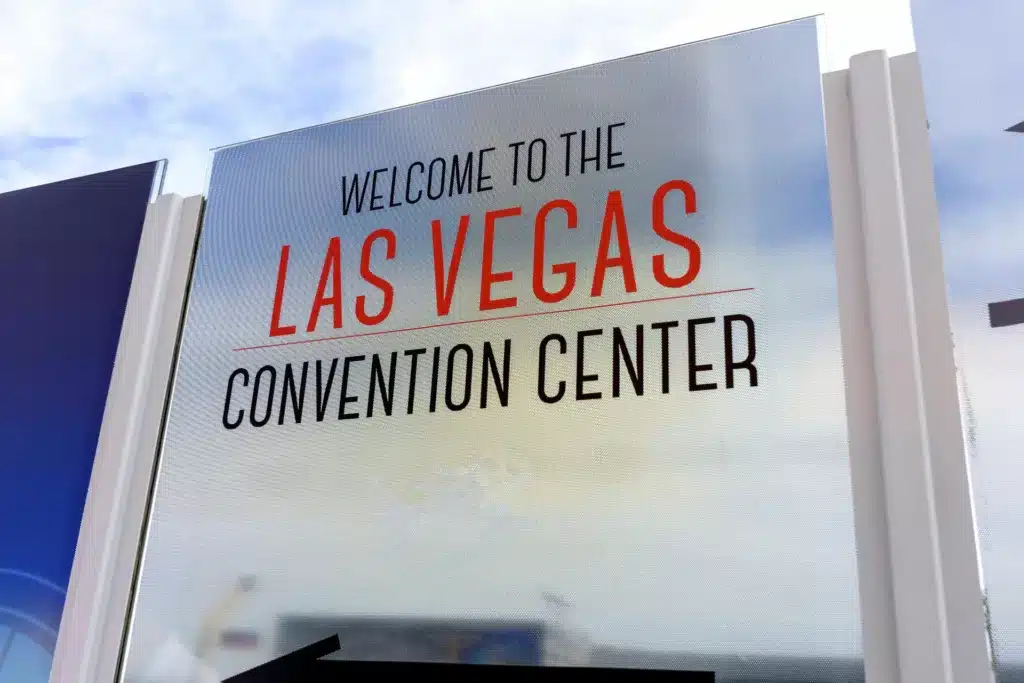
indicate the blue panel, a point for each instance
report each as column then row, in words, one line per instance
column 67, row 253
column 513, row 646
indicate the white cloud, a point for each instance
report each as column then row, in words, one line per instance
column 132, row 81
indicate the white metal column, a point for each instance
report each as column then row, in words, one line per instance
column 918, row 593
column 89, row 641
column 871, row 526
column 917, row 556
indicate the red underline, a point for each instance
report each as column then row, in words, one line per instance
column 516, row 316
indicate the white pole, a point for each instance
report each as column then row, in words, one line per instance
column 918, row 592
column 954, row 508
column 871, row 526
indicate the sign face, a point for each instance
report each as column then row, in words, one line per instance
column 971, row 61
column 576, row 336
column 67, row 254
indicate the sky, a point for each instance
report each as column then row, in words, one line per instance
column 116, row 82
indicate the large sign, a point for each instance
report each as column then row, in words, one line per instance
column 67, row 254
column 972, row 59
column 572, row 336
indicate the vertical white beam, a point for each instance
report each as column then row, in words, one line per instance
column 918, row 593
column 878, row 617
column 88, row 644
column 961, row 576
